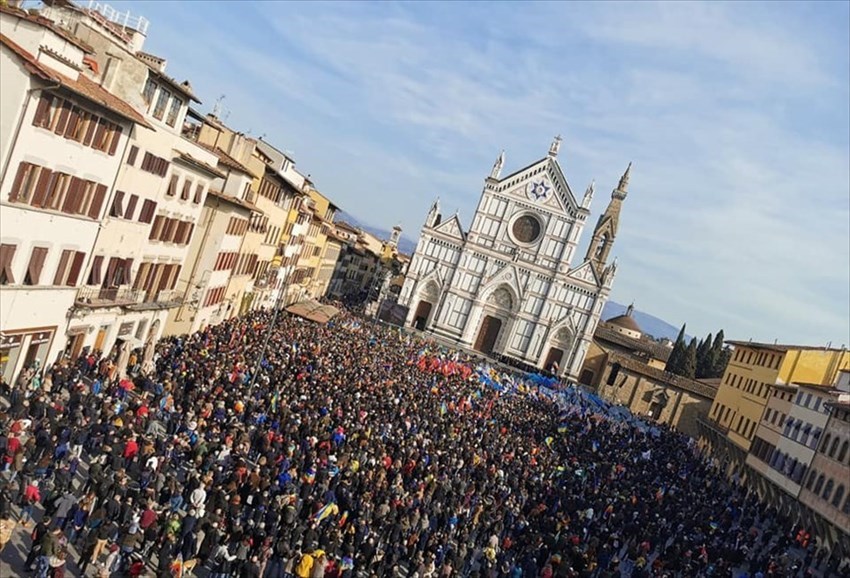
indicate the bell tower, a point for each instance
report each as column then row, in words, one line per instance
column 606, row 227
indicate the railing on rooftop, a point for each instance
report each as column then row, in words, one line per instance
column 123, row 19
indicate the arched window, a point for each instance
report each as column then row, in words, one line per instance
column 846, row 508
column 839, row 494
column 825, row 445
column 827, row 491
column 812, row 475
column 819, row 484
column 834, row 447
column 843, row 453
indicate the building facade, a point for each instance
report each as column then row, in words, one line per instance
column 63, row 136
column 507, row 287
column 744, row 390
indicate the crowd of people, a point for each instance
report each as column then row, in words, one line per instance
column 341, row 453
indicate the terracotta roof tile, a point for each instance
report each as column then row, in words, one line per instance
column 49, row 24
column 220, row 195
column 82, row 85
column 781, row 347
column 226, row 159
column 656, row 350
column 187, row 158
column 662, row 376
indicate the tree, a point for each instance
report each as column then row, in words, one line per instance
column 689, row 366
column 720, row 355
column 705, row 363
column 674, row 362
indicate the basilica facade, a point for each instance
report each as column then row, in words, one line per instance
column 507, row 287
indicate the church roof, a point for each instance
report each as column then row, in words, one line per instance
column 660, row 376
column 656, row 350
column 626, row 322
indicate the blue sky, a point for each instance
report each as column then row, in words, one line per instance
column 736, row 116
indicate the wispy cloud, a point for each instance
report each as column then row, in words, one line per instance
column 735, row 115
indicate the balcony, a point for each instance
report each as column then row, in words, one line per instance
column 163, row 299
column 94, row 297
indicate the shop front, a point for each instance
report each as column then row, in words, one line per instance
column 22, row 348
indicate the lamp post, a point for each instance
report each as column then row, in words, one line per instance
column 271, row 327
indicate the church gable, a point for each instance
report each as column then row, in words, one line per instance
column 452, row 227
column 543, row 184
column 507, row 275
column 585, row 273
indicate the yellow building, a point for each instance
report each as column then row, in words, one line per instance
column 744, row 389
column 320, row 250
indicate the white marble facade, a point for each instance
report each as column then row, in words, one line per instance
column 507, row 285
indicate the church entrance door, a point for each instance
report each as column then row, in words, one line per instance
column 423, row 311
column 554, row 359
column 488, row 334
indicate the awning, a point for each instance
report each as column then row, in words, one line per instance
column 132, row 341
column 314, row 311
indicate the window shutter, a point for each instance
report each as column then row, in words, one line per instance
column 187, row 189
column 116, row 136
column 94, row 274
column 128, row 271
column 99, row 134
column 172, row 186
column 41, row 188
column 131, row 207
column 76, row 267
column 175, row 274
column 42, row 112
column 117, row 210
column 73, row 119
column 110, row 272
column 131, row 158
column 189, row 230
column 141, row 275
column 19, row 180
column 7, row 253
column 64, row 113
column 97, row 201
column 71, row 196
column 156, row 228
column 63, row 266
column 90, row 131
column 35, row 265
column 199, row 194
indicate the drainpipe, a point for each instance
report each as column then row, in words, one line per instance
column 25, row 107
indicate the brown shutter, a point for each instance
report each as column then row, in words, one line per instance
column 35, row 265
column 64, row 113
column 156, row 228
column 128, row 271
column 174, row 277
column 116, row 210
column 7, row 253
column 81, row 196
column 42, row 112
column 116, row 136
column 71, row 196
column 63, row 266
column 73, row 119
column 94, row 274
column 199, row 194
column 19, row 180
column 172, row 186
column 187, row 189
column 41, row 188
column 110, row 272
column 90, row 130
column 97, row 201
column 141, row 275
column 98, row 135
column 76, row 267
column 189, row 230
column 134, row 152
column 131, row 207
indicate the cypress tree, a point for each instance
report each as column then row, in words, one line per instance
column 719, row 358
column 674, row 362
column 704, row 361
column 689, row 366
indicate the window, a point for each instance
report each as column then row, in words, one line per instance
column 161, row 103
column 173, row 111
column 64, row 268
column 819, row 484
column 172, row 186
column 131, row 207
column 147, row 212
column 839, row 494
column 156, row 229
column 131, row 158
column 33, row 274
column 25, row 183
column 149, row 91
column 95, row 273
column 812, row 475
column 76, row 267
column 7, row 253
column 154, row 165
column 187, row 190
column 834, row 447
column 843, row 453
column 117, row 209
column 199, row 194
column 827, row 491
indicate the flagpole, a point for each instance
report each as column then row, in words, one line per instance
column 269, row 330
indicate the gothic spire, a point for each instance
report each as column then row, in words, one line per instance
column 623, row 187
column 588, row 195
column 497, row 166
column 555, row 146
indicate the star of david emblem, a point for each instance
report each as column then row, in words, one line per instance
column 538, row 191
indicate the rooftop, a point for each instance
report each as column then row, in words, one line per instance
column 189, row 159
column 226, row 159
column 783, row 347
column 656, row 350
column 691, row 385
column 82, row 86
column 47, row 23
column 225, row 197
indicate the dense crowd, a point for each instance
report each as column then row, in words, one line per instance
column 346, row 455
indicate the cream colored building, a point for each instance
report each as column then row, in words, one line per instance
column 144, row 238
column 62, row 137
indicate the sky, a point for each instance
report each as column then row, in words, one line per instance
column 735, row 115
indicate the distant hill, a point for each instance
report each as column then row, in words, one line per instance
column 405, row 245
column 649, row 324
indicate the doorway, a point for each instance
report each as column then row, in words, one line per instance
column 423, row 312
column 488, row 334
column 76, row 346
column 553, row 360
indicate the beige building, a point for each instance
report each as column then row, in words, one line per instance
column 143, row 241
column 62, row 136
column 627, row 369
